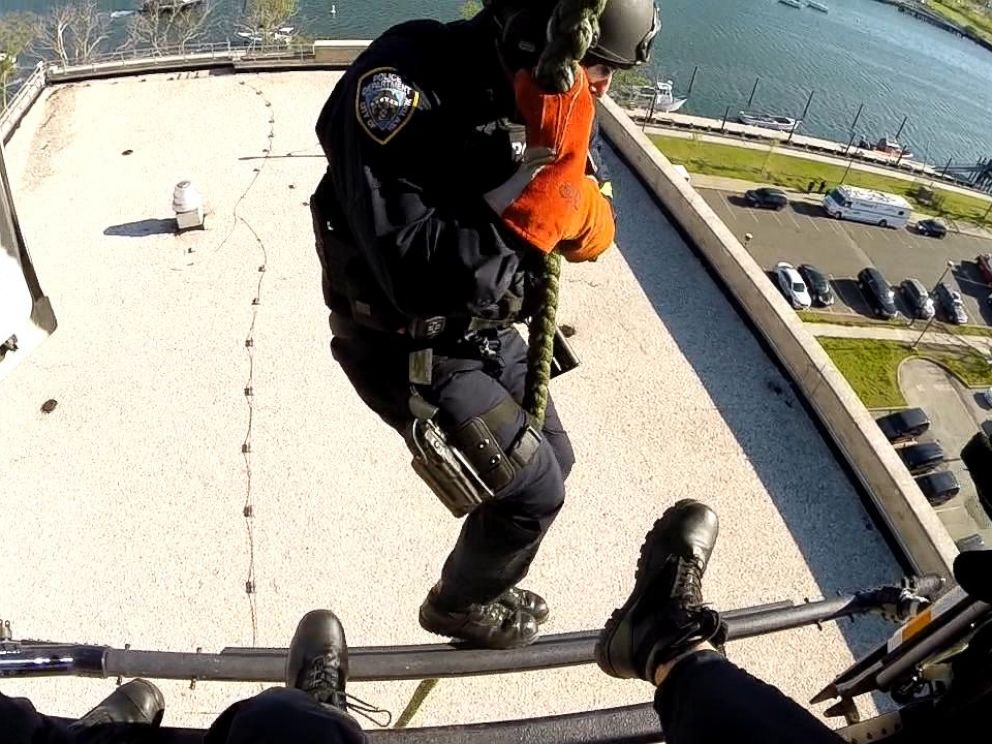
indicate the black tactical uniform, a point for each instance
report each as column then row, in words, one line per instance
column 415, row 133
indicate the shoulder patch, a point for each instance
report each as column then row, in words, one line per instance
column 384, row 103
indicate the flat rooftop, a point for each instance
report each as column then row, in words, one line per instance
column 125, row 505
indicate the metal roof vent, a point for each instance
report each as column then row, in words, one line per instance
column 187, row 203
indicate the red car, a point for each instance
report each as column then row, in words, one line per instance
column 984, row 261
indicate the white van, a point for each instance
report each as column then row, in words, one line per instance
column 865, row 205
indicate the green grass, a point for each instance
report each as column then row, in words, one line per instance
column 872, row 366
column 770, row 167
column 812, row 316
column 965, row 14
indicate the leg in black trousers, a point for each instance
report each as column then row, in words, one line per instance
column 284, row 716
column 22, row 724
column 707, row 700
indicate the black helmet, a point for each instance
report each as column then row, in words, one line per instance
column 626, row 31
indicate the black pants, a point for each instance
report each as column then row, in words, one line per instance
column 706, row 700
column 499, row 539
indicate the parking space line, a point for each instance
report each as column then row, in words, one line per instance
column 813, row 223
column 793, row 221
column 777, row 218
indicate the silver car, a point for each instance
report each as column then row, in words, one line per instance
column 792, row 285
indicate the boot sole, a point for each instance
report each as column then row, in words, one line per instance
column 607, row 635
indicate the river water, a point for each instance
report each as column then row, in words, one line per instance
column 861, row 52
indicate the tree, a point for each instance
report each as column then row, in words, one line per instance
column 168, row 32
column 74, row 33
column 17, row 31
column 469, row 9
column 266, row 17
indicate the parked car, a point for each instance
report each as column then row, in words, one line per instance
column 792, row 285
column 902, row 426
column 987, row 396
column 917, row 298
column 932, row 228
column 817, row 284
column 767, row 198
column 939, row 487
column 984, row 261
column 950, row 300
column 877, row 291
column 920, row 458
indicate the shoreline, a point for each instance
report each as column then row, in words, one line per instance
column 934, row 18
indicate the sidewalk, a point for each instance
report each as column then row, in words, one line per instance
column 685, row 126
column 736, row 185
column 981, row 344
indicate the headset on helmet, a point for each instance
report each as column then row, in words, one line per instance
column 627, row 30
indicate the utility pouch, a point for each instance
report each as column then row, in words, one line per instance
column 446, row 470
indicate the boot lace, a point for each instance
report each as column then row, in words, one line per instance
column 689, row 581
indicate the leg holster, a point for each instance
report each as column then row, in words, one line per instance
column 468, row 466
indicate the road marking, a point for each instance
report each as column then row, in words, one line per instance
column 777, row 218
column 793, row 221
column 813, row 223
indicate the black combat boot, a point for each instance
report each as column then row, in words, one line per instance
column 521, row 599
column 492, row 625
column 318, row 658
column 137, row 701
column 664, row 615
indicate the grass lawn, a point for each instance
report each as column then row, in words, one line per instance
column 872, row 366
column 812, row 316
column 965, row 15
column 770, row 167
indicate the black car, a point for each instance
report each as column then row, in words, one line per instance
column 878, row 292
column 917, row 298
column 950, row 301
column 904, row 425
column 817, row 284
column 767, row 198
column 933, row 228
column 920, row 458
column 939, row 487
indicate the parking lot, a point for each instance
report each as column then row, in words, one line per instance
column 956, row 413
column 803, row 233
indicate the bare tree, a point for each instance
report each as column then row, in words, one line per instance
column 161, row 31
column 74, row 33
column 17, row 31
column 266, row 17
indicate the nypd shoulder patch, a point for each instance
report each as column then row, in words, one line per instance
column 384, row 103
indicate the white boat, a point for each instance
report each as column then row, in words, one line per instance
column 817, row 6
column 778, row 123
column 791, row 3
column 169, row 6
column 284, row 33
column 664, row 99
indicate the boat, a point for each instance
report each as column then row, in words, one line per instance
column 169, row 6
column 664, row 99
column 778, row 123
column 817, row 6
column 791, row 3
column 886, row 146
column 285, row 33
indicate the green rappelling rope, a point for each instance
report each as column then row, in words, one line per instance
column 573, row 28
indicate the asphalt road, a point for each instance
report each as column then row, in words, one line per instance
column 803, row 233
column 956, row 414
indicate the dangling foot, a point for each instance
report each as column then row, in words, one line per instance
column 664, row 616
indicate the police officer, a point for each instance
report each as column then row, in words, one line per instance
column 451, row 175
